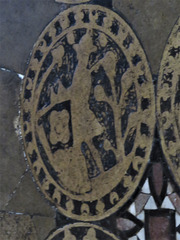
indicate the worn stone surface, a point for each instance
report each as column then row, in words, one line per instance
column 21, row 22
column 12, row 163
column 43, row 226
column 17, row 227
column 27, row 199
column 152, row 21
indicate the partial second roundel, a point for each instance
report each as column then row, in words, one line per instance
column 82, row 231
column 168, row 102
column 87, row 112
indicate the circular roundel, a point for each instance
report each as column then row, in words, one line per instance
column 82, row 231
column 87, row 112
column 168, row 102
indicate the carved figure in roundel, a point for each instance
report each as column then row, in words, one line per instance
column 82, row 231
column 168, row 102
column 87, row 112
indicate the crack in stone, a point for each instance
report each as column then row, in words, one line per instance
column 21, row 76
column 11, row 195
column 25, row 214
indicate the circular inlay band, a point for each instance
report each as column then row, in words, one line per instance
column 82, row 231
column 87, row 112
column 168, row 102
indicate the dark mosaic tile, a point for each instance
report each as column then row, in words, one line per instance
column 160, row 224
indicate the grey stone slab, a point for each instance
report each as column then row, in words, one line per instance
column 12, row 163
column 152, row 21
column 43, row 225
column 27, row 199
column 21, row 22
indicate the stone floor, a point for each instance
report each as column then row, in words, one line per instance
column 24, row 212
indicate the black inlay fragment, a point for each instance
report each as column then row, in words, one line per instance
column 169, row 135
column 107, row 203
column 38, row 54
column 78, row 34
column 86, row 16
column 63, row 201
column 132, row 172
column 131, row 103
column 129, row 142
column 177, row 97
column 77, row 207
column 25, row 127
column 115, row 27
column 72, row 19
column 140, row 152
column 45, row 159
column 167, row 78
column 33, row 157
column 31, row 74
column 121, row 67
column 174, row 51
column 144, row 129
column 26, row 116
column 100, row 77
column 46, row 64
column 101, row 16
column 28, row 137
column 58, row 28
column 142, row 79
column 120, row 189
column 175, row 159
column 108, row 157
column 136, row 59
column 92, row 207
column 48, row 39
column 27, row 94
column 93, row 170
column 51, row 189
column 128, row 41
column 145, row 102
column 41, row 176
column 165, row 105
column 63, row 74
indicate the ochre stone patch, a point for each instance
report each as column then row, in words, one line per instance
column 82, row 231
column 16, row 227
column 87, row 112
column 168, row 102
